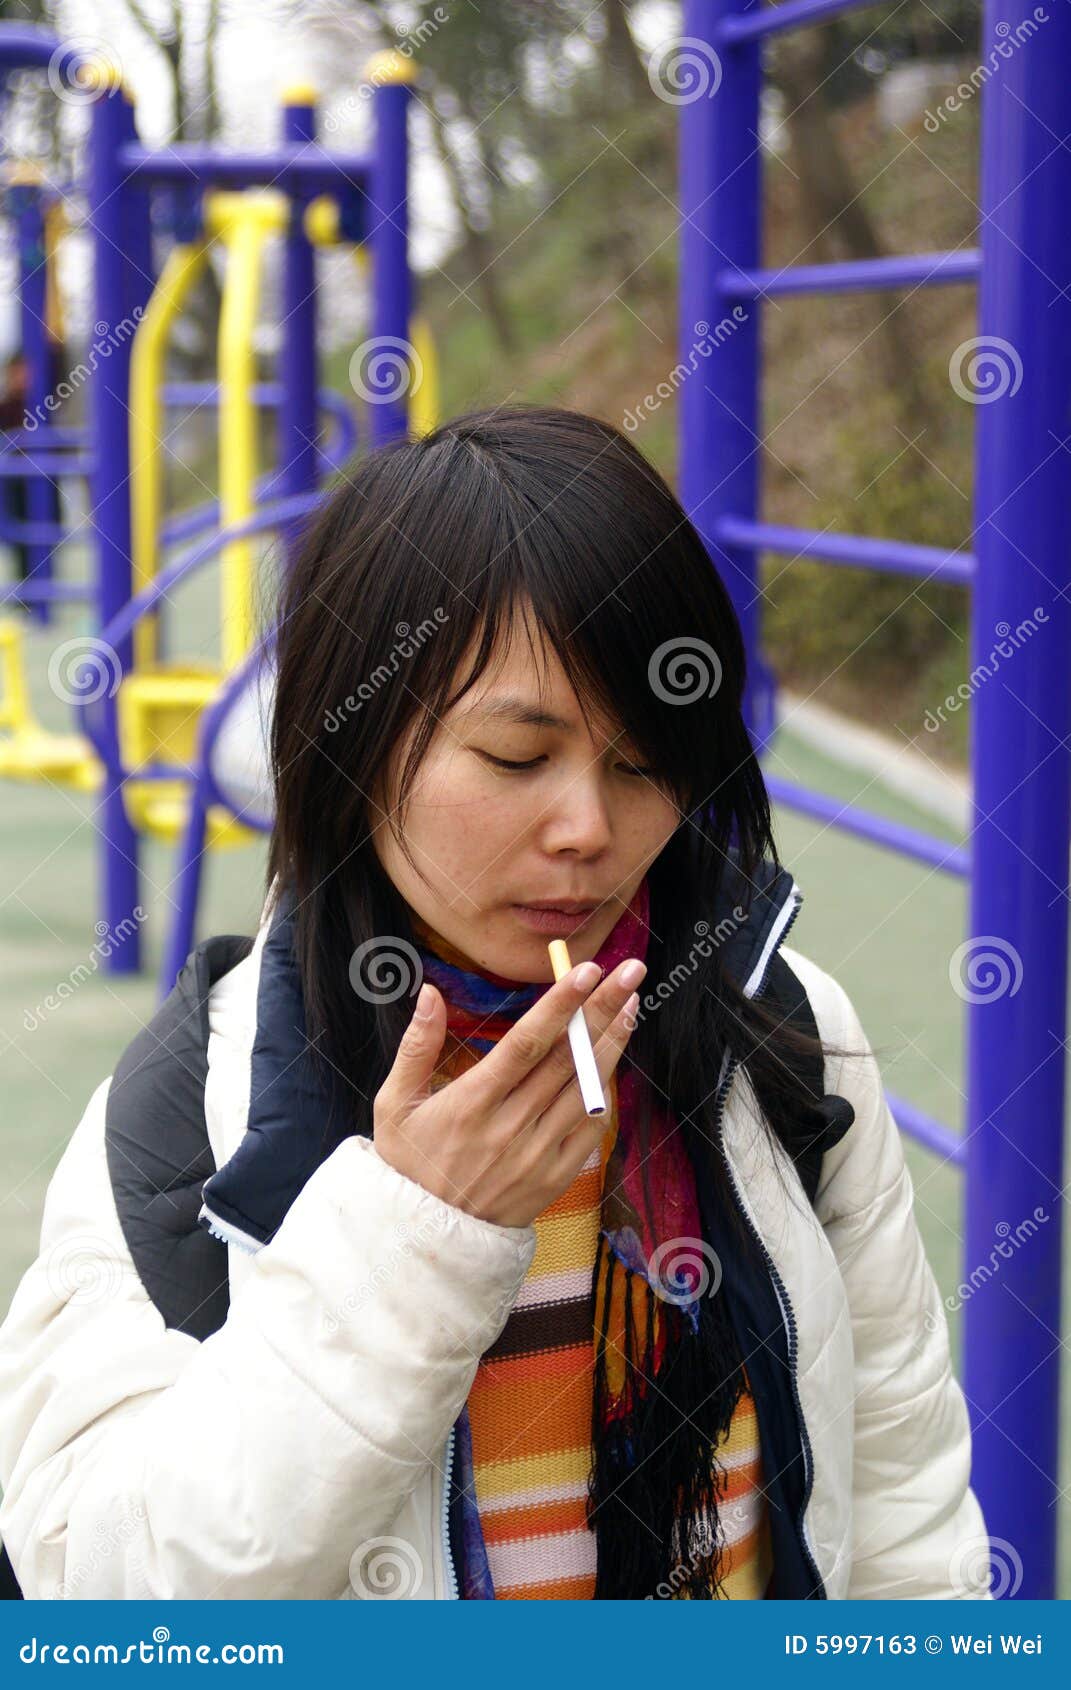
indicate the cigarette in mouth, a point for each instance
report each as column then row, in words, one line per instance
column 579, row 1038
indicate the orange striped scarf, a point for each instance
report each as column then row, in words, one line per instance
column 529, row 1409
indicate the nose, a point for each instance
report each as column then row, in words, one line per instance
column 579, row 818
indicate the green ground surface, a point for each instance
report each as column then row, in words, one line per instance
column 884, row 926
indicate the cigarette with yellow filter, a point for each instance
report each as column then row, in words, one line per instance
column 587, row 1071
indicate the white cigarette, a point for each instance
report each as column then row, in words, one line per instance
column 587, row 1071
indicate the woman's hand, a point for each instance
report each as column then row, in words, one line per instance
column 507, row 1137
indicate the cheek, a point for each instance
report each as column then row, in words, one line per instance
column 461, row 826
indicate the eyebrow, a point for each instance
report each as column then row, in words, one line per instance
column 519, row 710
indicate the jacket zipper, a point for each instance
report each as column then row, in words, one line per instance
column 787, row 1313
column 448, row 1561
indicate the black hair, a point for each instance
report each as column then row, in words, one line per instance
column 428, row 547
column 429, row 551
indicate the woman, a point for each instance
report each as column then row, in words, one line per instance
column 466, row 1339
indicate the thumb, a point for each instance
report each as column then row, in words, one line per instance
column 418, row 1049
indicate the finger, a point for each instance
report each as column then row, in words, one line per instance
column 567, row 1122
column 526, row 1044
column 534, row 1096
column 409, row 1080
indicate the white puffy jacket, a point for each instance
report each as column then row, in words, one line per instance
column 273, row 1457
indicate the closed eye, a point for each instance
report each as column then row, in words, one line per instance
column 501, row 763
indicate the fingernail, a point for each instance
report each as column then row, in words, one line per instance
column 587, row 974
column 422, row 1012
column 633, row 972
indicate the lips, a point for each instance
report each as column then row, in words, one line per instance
column 569, row 907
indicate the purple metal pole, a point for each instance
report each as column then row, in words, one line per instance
column 285, row 168
column 42, row 498
column 299, row 413
column 137, row 219
column 110, row 495
column 1017, row 1018
column 387, row 362
column 720, row 174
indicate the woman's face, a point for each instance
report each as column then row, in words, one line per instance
column 577, row 825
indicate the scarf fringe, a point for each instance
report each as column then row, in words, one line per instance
column 661, row 1427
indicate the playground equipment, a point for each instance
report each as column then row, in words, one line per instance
column 140, row 741
column 37, row 216
column 38, row 454
column 161, row 709
column 1017, row 859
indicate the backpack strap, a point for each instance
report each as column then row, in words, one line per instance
column 806, row 1131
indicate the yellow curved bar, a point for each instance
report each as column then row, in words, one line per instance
column 245, row 221
column 180, row 271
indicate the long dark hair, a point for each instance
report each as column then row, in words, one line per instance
column 429, row 545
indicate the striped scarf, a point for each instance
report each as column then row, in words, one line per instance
column 622, row 1292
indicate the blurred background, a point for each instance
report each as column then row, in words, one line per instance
column 544, row 226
